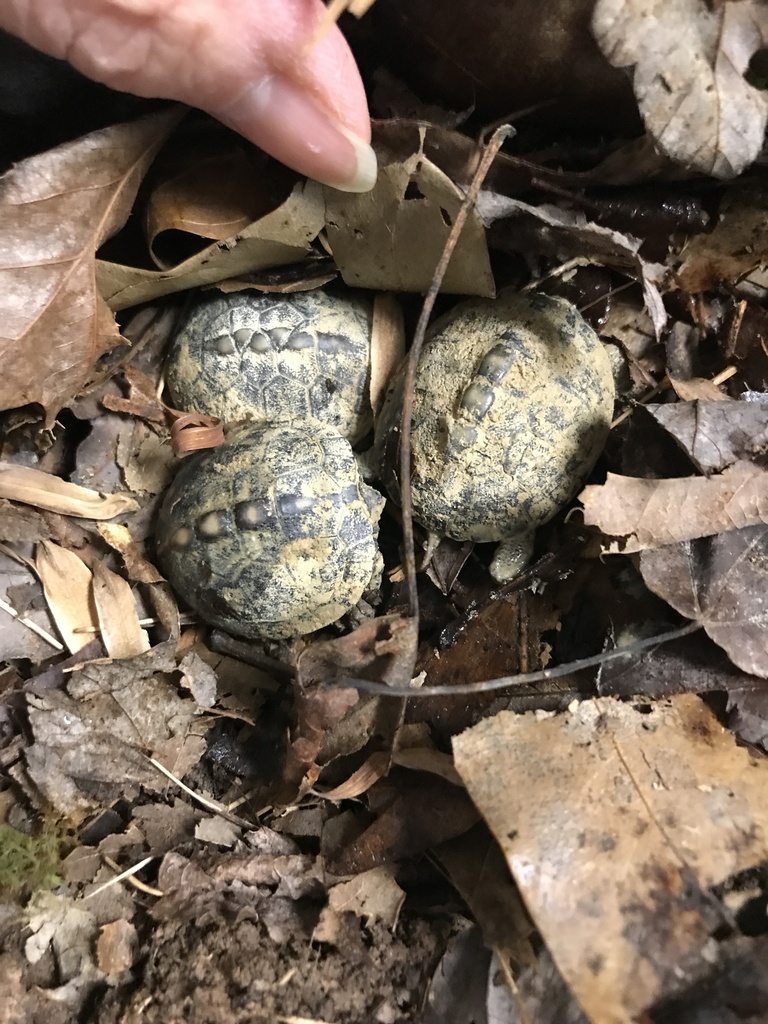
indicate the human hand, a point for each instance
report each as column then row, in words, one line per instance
column 246, row 62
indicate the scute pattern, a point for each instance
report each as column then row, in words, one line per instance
column 512, row 406
column 273, row 533
column 276, row 358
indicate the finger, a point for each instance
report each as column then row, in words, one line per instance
column 245, row 61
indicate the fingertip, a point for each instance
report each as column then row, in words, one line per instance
column 282, row 118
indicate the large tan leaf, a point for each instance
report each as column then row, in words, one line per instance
column 689, row 59
column 56, row 209
column 618, row 823
column 392, row 237
column 651, row 513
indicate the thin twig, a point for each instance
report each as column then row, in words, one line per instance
column 211, row 805
column 509, row 978
column 521, row 679
column 663, row 385
column 31, row 625
column 127, row 874
column 137, row 883
column 409, row 548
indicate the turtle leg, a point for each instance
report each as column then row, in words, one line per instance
column 512, row 555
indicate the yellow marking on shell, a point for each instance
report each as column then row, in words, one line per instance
column 210, row 526
column 248, row 514
column 182, row 538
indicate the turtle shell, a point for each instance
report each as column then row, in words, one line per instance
column 273, row 358
column 273, row 533
column 512, row 406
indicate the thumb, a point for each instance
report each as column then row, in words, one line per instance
column 251, row 63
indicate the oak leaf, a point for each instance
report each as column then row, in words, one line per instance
column 56, row 209
column 618, row 822
column 722, row 582
column 651, row 513
column 689, row 59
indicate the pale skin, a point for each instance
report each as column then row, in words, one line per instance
column 246, row 62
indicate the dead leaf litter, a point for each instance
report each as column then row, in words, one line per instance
column 460, row 799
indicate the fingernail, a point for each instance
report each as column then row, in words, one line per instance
column 282, row 119
column 366, row 167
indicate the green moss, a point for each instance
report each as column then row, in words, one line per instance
column 30, row 862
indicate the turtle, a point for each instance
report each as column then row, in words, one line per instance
column 270, row 358
column 511, row 409
column 274, row 533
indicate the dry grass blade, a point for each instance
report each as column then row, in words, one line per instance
column 212, row 805
column 126, row 875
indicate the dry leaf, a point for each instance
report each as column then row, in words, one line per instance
column 281, row 237
column 116, row 947
column 95, row 461
column 418, row 811
column 199, row 678
column 58, row 209
column 372, row 895
column 58, row 924
column 21, row 592
column 316, row 711
column 167, row 825
column 748, row 711
column 651, row 513
column 147, row 459
column 219, row 831
column 714, row 435
column 142, row 401
column 67, row 584
column 332, row 722
column 499, row 636
column 427, row 759
column 737, row 244
column 295, row 874
column 546, row 230
column 91, row 743
column 698, row 388
column 477, row 869
column 138, row 568
column 361, row 780
column 617, row 823
column 33, row 487
column 22, row 525
column 121, row 633
column 214, row 196
column 721, row 582
column 688, row 59
column 460, row 988
column 692, row 664
column 392, row 237
column 381, row 649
